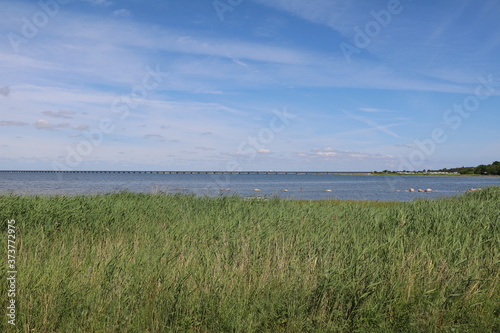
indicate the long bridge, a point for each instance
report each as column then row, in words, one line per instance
column 199, row 172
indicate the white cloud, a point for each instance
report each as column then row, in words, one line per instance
column 122, row 13
column 329, row 153
column 44, row 124
column 81, row 127
column 327, row 149
column 322, row 152
column 326, row 153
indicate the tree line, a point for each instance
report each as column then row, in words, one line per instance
column 490, row 169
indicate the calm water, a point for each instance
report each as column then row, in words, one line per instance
column 358, row 187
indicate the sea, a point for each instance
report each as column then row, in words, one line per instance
column 303, row 186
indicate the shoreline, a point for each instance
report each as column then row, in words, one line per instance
column 421, row 196
column 432, row 175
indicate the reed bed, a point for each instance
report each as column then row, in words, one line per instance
column 130, row 262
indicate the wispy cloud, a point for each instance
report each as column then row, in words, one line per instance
column 374, row 110
column 81, row 127
column 224, row 80
column 263, row 63
column 333, row 14
column 328, row 151
column 12, row 123
column 99, row 2
column 45, row 125
column 122, row 13
column 331, row 154
column 154, row 136
column 5, row 91
column 60, row 114
column 373, row 125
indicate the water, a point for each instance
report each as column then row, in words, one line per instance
column 302, row 186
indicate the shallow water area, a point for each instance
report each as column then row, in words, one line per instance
column 306, row 186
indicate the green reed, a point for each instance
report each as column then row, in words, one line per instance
column 130, row 262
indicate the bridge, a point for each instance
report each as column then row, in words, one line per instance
column 198, row 172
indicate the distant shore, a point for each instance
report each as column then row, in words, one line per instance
column 430, row 174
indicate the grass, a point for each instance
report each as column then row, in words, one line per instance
column 176, row 263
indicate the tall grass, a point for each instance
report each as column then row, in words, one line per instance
column 174, row 263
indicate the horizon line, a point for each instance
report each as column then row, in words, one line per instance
column 183, row 171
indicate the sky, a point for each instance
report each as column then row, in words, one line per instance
column 228, row 85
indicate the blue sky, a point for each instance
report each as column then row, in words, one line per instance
column 249, row 84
